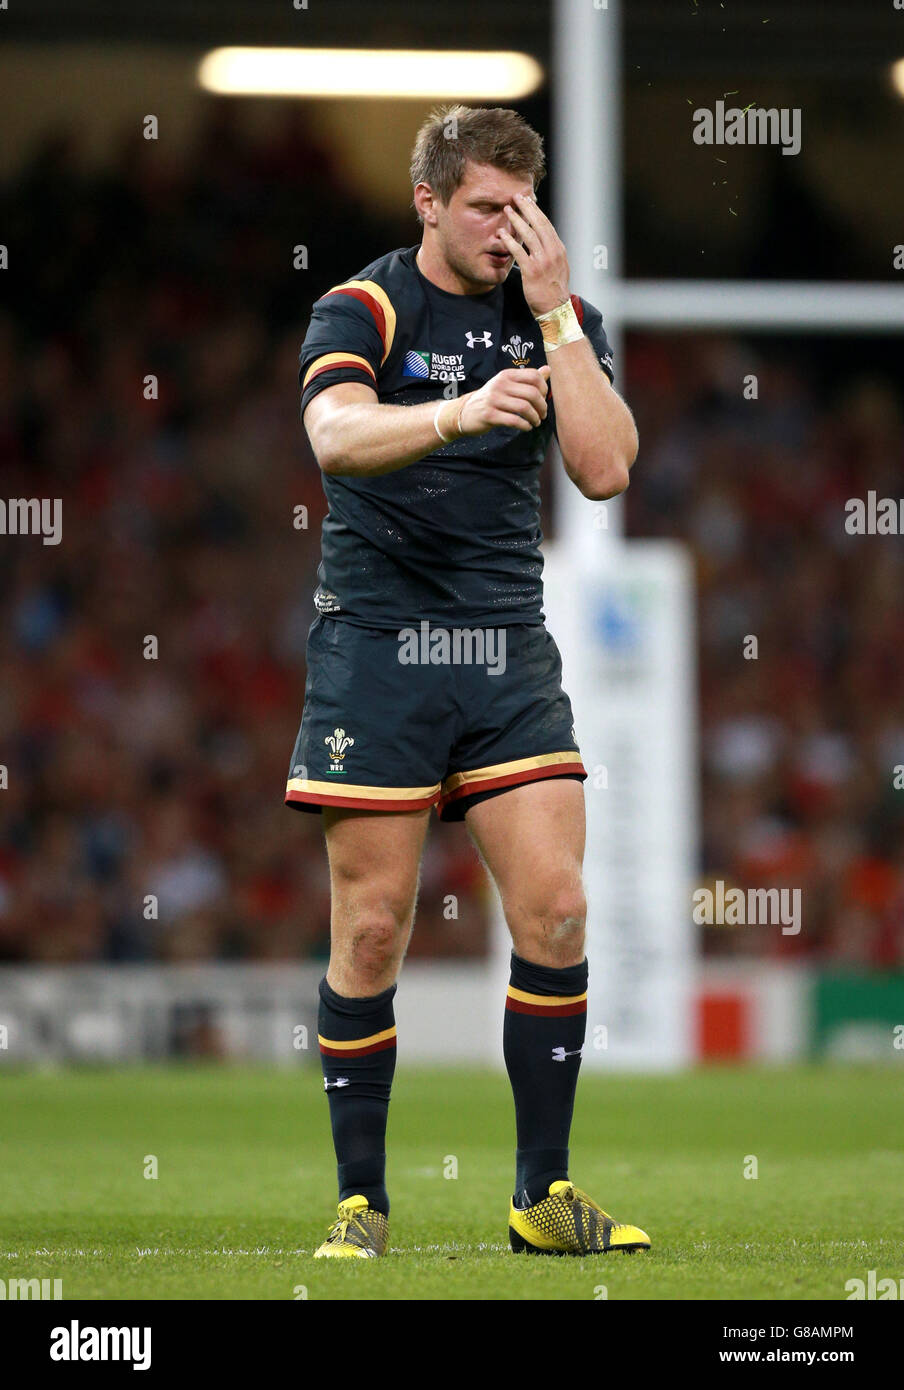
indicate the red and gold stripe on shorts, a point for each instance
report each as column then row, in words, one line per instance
column 545, row 1005
column 511, row 774
column 313, row 793
column 358, row 1047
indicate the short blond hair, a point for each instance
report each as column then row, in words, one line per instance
column 453, row 135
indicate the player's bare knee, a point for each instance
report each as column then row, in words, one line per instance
column 554, row 934
column 376, row 949
column 563, row 936
column 564, row 912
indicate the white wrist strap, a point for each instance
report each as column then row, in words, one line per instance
column 451, row 438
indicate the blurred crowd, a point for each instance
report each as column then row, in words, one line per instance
column 802, row 732
column 143, row 816
column 127, row 776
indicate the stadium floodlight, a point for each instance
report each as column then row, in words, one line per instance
column 369, row 72
column 897, row 76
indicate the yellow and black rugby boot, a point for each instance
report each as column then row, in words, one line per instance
column 358, row 1233
column 568, row 1222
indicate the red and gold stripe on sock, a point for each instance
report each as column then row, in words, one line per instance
column 358, row 1047
column 545, row 1005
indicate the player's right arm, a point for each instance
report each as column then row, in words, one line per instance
column 353, row 435
column 350, row 336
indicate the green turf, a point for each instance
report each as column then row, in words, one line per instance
column 246, row 1189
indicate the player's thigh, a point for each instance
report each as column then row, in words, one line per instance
column 532, row 841
column 374, row 859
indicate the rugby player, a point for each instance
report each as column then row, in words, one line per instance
column 432, row 383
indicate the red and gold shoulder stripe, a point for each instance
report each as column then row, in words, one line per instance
column 375, row 298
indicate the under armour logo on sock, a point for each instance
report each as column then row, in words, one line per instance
column 559, row 1054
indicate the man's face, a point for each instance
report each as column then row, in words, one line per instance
column 467, row 229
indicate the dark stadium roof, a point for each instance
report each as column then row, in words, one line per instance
column 782, row 37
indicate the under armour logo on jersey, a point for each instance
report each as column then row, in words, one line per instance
column 484, row 339
column 330, row 1085
column 559, row 1054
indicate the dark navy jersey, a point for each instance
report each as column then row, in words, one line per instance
column 455, row 537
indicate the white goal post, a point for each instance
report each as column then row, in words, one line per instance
column 635, row 706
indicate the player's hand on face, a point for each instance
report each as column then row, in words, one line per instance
column 514, row 398
column 536, row 246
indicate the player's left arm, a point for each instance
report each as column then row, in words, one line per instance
column 596, row 431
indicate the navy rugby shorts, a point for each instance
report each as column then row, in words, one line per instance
column 429, row 716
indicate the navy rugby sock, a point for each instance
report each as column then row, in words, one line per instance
column 358, row 1053
column 543, row 1035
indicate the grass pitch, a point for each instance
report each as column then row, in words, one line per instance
column 245, row 1187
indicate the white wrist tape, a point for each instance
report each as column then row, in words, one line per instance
column 560, row 326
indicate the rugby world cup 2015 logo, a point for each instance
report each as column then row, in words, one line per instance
column 417, row 364
column 338, row 742
column 519, row 350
